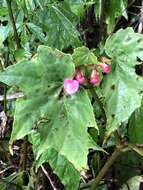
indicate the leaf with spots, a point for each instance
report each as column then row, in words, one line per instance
column 69, row 127
column 60, row 120
column 41, row 80
column 122, row 88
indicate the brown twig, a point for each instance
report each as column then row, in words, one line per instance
column 12, row 96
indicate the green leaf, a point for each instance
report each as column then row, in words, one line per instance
column 122, row 88
column 70, row 127
column 77, row 6
column 3, row 11
column 65, row 170
column 135, row 127
column 69, row 176
column 36, row 31
column 60, row 120
column 57, row 21
column 82, row 55
column 30, row 5
column 111, row 10
column 20, row 54
column 114, row 9
column 4, row 33
column 41, row 80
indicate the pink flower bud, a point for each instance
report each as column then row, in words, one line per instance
column 95, row 78
column 105, row 67
column 71, row 86
column 80, row 77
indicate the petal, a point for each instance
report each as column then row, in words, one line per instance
column 71, row 86
column 105, row 67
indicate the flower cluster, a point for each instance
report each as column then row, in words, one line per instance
column 71, row 86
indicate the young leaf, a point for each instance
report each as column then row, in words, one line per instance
column 122, row 88
column 82, row 55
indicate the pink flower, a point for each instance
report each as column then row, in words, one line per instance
column 95, row 78
column 80, row 77
column 71, row 86
column 105, row 67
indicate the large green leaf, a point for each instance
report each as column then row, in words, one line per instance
column 41, row 81
column 62, row 121
column 122, row 88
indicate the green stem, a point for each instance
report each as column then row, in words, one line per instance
column 105, row 168
column 13, row 23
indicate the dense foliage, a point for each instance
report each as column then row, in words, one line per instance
column 71, row 91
